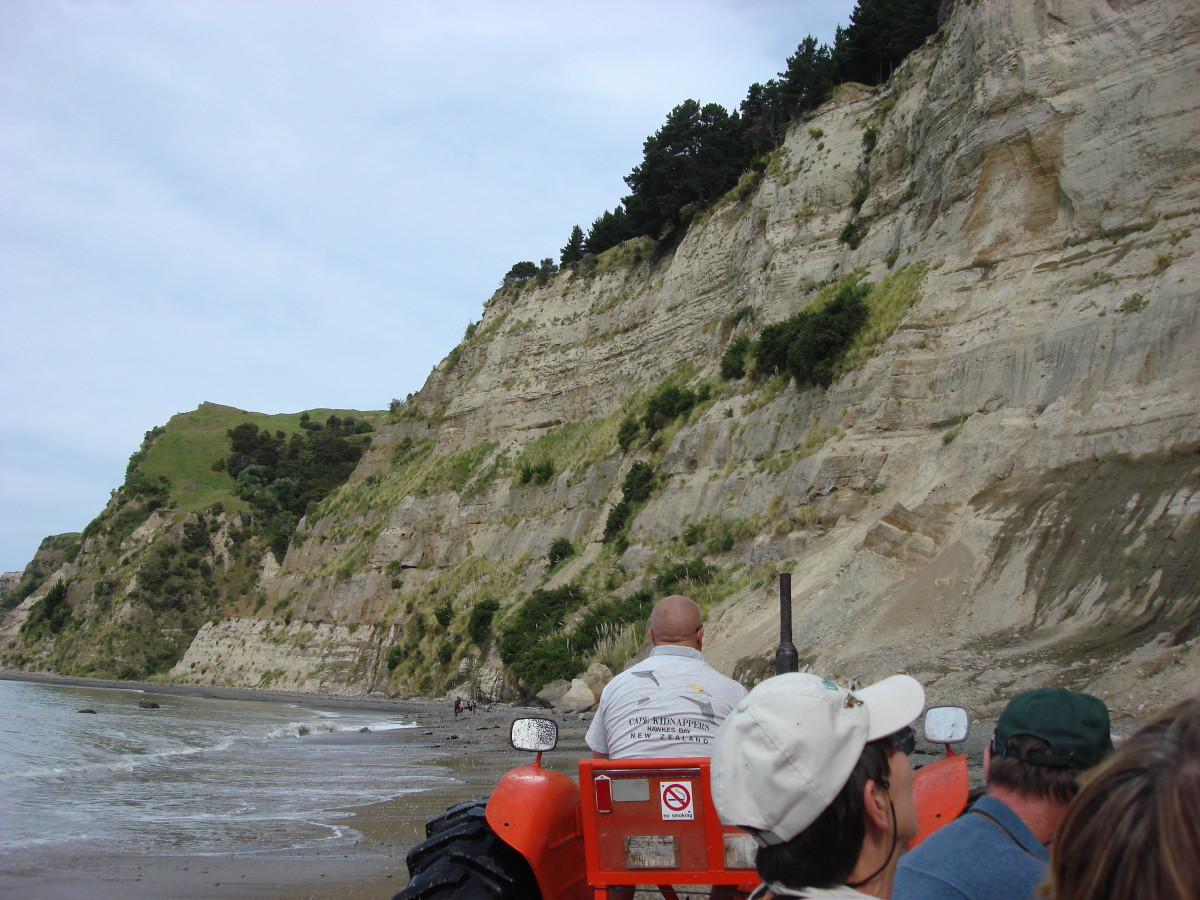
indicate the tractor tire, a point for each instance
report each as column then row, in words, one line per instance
column 455, row 815
column 463, row 858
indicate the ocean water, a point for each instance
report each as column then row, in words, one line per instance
column 197, row 776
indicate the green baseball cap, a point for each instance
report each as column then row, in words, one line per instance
column 1075, row 725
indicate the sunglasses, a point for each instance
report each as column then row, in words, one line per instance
column 904, row 740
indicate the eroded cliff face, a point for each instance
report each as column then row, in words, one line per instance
column 1002, row 492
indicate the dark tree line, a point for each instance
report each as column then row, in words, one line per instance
column 880, row 34
column 701, row 151
column 280, row 476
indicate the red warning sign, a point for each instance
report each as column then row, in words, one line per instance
column 676, row 800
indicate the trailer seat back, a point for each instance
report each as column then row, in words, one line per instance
column 652, row 822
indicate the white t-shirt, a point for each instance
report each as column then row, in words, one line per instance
column 669, row 704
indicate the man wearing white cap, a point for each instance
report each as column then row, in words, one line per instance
column 820, row 776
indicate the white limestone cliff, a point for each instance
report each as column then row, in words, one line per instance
column 1005, row 493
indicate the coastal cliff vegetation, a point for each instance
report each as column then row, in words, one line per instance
column 914, row 323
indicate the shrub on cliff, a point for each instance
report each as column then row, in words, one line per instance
column 627, row 433
column 519, row 272
column 810, row 344
column 822, row 338
column 639, row 482
column 679, row 577
column 538, row 473
column 560, row 549
column 528, row 643
column 618, row 518
column 853, row 233
column 479, row 623
column 670, row 402
column 733, row 362
column 635, row 490
column 50, row 614
column 552, row 659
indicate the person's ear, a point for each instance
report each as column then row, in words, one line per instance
column 700, row 635
column 987, row 761
column 876, row 805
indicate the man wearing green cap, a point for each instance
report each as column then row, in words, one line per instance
column 998, row 850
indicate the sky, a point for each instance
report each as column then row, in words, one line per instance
column 280, row 205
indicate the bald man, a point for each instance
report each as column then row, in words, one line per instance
column 670, row 703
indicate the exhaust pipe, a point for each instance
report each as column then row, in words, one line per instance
column 786, row 657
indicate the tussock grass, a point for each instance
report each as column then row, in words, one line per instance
column 419, row 472
column 813, row 441
column 627, row 255
column 723, row 583
column 770, row 390
column 948, row 437
column 572, row 448
column 618, row 644
column 889, row 301
column 472, row 580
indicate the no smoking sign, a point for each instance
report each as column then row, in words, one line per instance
column 676, row 800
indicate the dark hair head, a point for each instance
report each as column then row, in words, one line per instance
column 1134, row 828
column 1013, row 773
column 825, row 853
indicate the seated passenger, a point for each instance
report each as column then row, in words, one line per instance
column 670, row 703
column 1133, row 831
column 819, row 776
column 1044, row 739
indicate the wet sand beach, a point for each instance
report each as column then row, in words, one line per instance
column 372, row 866
column 473, row 747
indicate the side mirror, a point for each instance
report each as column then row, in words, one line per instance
column 946, row 725
column 534, row 734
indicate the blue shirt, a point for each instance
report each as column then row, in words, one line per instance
column 973, row 858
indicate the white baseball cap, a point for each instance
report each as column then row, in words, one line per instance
column 785, row 753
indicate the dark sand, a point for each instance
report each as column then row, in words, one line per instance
column 373, row 867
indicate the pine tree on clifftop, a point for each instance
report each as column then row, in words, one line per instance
column 880, row 34
column 573, row 251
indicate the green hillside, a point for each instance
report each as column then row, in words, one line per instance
column 179, row 542
column 186, row 448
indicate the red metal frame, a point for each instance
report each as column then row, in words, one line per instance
column 699, row 840
column 536, row 811
column 577, row 850
column 940, row 792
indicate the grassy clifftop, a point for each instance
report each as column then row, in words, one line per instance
column 181, row 540
column 186, row 448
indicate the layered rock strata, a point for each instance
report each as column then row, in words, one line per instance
column 1003, row 492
